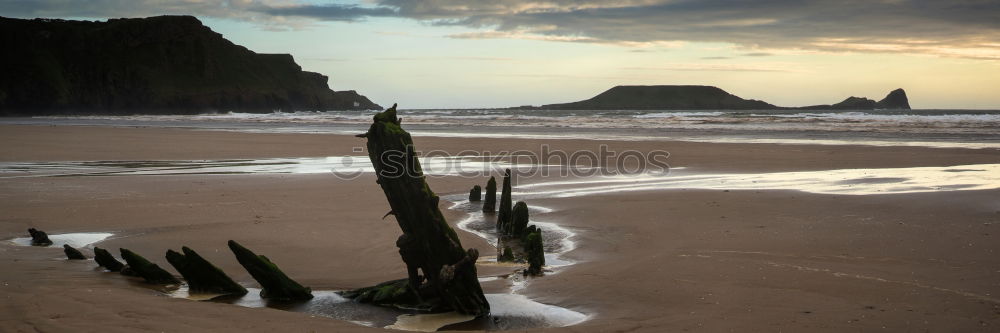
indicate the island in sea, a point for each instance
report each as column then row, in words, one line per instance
column 684, row 97
column 155, row 65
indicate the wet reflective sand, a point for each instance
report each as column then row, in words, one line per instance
column 344, row 166
column 840, row 182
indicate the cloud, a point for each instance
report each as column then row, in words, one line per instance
column 956, row 28
column 952, row 28
column 332, row 12
column 444, row 58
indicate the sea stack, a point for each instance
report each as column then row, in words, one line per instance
column 895, row 100
column 490, row 204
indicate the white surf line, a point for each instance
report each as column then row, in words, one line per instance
column 748, row 140
column 840, row 181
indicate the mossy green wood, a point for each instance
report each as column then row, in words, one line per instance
column 151, row 272
column 535, row 252
column 73, row 254
column 503, row 214
column 507, row 255
column 273, row 282
column 397, row 293
column 106, row 260
column 519, row 220
column 490, row 203
column 428, row 242
column 201, row 275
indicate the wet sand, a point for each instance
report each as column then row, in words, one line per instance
column 671, row 260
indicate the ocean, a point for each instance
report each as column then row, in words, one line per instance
column 932, row 128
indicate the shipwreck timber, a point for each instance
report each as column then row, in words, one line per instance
column 428, row 245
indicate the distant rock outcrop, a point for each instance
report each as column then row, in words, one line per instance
column 895, row 100
column 163, row 64
column 664, row 98
column 708, row 98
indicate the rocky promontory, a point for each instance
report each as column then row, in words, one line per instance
column 664, row 98
column 895, row 100
column 708, row 98
column 155, row 65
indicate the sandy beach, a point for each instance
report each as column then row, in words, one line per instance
column 651, row 261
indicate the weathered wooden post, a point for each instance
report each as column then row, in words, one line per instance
column 490, row 204
column 535, row 252
column 518, row 220
column 39, row 238
column 274, row 284
column 476, row 194
column 151, row 272
column 428, row 243
column 201, row 275
column 106, row 260
column 503, row 215
column 72, row 253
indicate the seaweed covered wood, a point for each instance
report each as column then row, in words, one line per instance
column 503, row 215
column 518, row 221
column 475, row 194
column 39, row 238
column 428, row 243
column 490, row 203
column 105, row 259
column 535, row 252
column 201, row 275
column 151, row 272
column 274, row 283
column 72, row 253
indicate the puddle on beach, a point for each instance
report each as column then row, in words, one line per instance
column 508, row 312
column 557, row 239
column 79, row 239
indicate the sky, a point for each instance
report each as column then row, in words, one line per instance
column 501, row 53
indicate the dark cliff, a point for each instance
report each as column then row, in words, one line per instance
column 664, row 98
column 895, row 100
column 164, row 64
column 709, row 98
